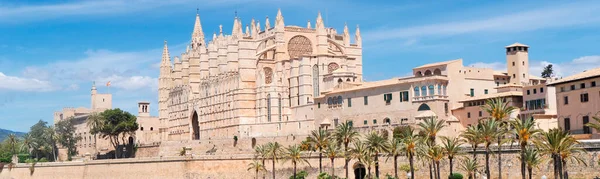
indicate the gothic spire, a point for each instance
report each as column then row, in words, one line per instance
column 319, row 24
column 247, row 31
column 267, row 24
column 346, row 35
column 220, row 30
column 197, row 34
column 253, row 27
column 257, row 27
column 166, row 60
column 357, row 37
column 240, row 27
column 234, row 30
column 279, row 20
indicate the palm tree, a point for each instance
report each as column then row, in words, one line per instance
column 499, row 110
column 13, row 140
column 261, row 152
column 332, row 151
column 344, row 135
column 488, row 132
column 294, row 154
column 431, row 126
column 395, row 150
column 553, row 143
column 50, row 135
column 376, row 144
column 469, row 166
column 451, row 149
column 532, row 158
column 319, row 140
column 275, row 150
column 570, row 152
column 367, row 159
column 473, row 137
column 257, row 167
column 358, row 151
column 437, row 154
column 95, row 122
column 409, row 140
column 594, row 125
column 525, row 130
column 29, row 143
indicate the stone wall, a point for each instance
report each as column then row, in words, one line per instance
column 235, row 166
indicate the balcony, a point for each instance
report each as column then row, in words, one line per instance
column 430, row 98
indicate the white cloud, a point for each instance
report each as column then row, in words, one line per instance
column 494, row 65
column 546, row 17
column 14, row 83
column 21, row 13
column 567, row 68
column 72, row 87
column 132, row 82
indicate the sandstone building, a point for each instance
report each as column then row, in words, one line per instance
column 261, row 82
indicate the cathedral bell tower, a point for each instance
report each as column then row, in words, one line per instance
column 517, row 63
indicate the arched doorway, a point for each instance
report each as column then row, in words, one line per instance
column 359, row 171
column 195, row 127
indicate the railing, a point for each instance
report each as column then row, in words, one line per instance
column 431, row 97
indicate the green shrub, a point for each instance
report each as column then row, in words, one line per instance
column 43, row 159
column 455, row 176
column 324, row 176
column 300, row 175
column 388, row 176
column 22, row 157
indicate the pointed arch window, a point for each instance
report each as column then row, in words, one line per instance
column 315, row 80
column 279, row 107
column 423, row 90
column 268, row 108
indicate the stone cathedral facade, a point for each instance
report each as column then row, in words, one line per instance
column 260, row 81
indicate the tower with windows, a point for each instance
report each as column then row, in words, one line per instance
column 517, row 63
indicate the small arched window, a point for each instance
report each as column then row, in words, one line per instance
column 428, row 73
column 151, row 128
column 431, row 90
column 340, row 100
column 423, row 91
column 416, row 91
column 141, row 128
column 329, row 101
column 387, row 121
column 423, row 107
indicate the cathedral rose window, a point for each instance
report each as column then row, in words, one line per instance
column 298, row 46
column 332, row 67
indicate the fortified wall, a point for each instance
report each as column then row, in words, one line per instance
column 235, row 166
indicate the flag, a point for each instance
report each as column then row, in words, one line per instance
column 108, row 83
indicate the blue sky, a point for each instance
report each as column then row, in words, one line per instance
column 51, row 51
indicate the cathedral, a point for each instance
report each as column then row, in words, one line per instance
column 261, row 81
